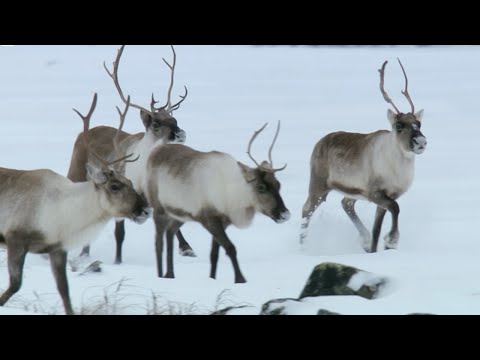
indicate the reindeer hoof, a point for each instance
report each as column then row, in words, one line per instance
column 368, row 249
column 240, row 281
column 169, row 276
column 188, row 253
column 391, row 241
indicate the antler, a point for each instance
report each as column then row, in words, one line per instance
column 177, row 105
column 86, row 127
column 114, row 76
column 271, row 148
column 382, row 89
column 405, row 93
column 255, row 135
column 251, row 143
column 168, row 108
column 116, row 140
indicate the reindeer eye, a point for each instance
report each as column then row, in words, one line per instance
column 400, row 127
column 262, row 188
column 115, row 188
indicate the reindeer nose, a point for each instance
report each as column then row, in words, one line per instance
column 421, row 141
column 144, row 215
column 419, row 144
column 284, row 217
column 181, row 137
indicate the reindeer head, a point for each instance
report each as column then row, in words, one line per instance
column 160, row 125
column 117, row 196
column 405, row 127
column 265, row 185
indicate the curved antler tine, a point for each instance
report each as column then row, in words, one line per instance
column 153, row 103
column 405, row 93
column 86, row 127
column 255, row 135
column 86, row 119
column 271, row 149
column 382, row 89
column 177, row 105
column 114, row 75
column 168, row 106
column 117, row 137
column 273, row 144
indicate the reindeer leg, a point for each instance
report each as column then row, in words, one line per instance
column 377, row 228
column 384, row 204
column 119, row 237
column 185, row 248
column 217, row 229
column 173, row 228
column 349, row 207
column 160, row 225
column 58, row 262
column 16, row 253
column 214, row 258
column 316, row 198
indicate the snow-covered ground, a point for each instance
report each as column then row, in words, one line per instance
column 233, row 91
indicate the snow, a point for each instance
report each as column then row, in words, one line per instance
column 234, row 90
column 363, row 278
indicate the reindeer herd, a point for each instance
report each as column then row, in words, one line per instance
column 116, row 175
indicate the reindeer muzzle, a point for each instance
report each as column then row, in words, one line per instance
column 283, row 217
column 180, row 137
column 419, row 144
column 142, row 215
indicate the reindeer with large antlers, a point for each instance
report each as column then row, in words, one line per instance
column 214, row 190
column 44, row 213
column 160, row 128
column 377, row 167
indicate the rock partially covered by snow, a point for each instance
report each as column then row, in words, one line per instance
column 279, row 306
column 326, row 312
column 329, row 279
column 229, row 310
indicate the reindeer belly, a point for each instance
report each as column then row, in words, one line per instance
column 352, row 184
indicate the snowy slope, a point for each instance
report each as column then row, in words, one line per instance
column 233, row 91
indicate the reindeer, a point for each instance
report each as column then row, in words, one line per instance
column 44, row 213
column 160, row 127
column 214, row 190
column 378, row 167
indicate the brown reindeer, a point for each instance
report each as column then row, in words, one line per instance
column 160, row 128
column 44, row 213
column 214, row 190
column 377, row 167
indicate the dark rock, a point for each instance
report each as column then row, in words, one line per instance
column 326, row 312
column 329, row 279
column 227, row 310
column 277, row 307
column 420, row 314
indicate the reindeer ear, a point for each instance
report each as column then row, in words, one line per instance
column 392, row 117
column 146, row 118
column 98, row 176
column 248, row 173
column 419, row 115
